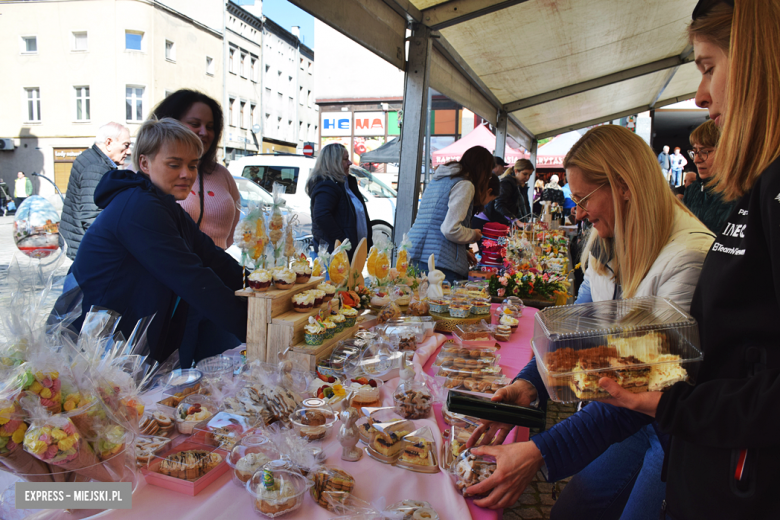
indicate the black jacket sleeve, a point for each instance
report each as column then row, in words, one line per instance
column 507, row 201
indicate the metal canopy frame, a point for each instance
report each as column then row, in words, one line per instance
column 382, row 26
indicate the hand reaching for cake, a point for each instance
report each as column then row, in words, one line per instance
column 645, row 402
column 521, row 393
column 517, row 464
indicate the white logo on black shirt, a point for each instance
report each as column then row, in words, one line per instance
column 735, row 230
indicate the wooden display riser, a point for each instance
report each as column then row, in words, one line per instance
column 263, row 307
column 305, row 357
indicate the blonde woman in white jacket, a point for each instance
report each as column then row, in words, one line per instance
column 644, row 242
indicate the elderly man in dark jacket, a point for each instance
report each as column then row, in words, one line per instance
column 112, row 145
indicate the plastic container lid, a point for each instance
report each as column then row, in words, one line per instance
column 217, row 366
column 643, row 343
column 181, row 379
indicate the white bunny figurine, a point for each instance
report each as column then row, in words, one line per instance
column 435, row 278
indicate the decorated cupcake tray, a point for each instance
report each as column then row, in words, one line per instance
column 263, row 308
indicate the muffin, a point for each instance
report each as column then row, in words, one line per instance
column 330, row 328
column 302, row 272
column 319, row 297
column 329, row 289
column 259, row 280
column 314, row 332
column 339, row 320
column 350, row 316
column 509, row 320
column 283, row 278
column 303, row 301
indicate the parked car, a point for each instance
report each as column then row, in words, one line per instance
column 293, row 172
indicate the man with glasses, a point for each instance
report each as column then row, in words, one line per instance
column 708, row 206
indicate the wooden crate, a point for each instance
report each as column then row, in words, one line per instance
column 262, row 308
column 305, row 357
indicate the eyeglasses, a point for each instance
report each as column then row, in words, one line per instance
column 581, row 203
column 701, row 153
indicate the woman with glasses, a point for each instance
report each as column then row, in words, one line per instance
column 703, row 202
column 644, row 242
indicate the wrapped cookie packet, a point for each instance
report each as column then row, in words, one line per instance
column 350, row 507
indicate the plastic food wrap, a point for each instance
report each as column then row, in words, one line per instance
column 330, row 479
column 250, row 235
column 645, row 344
column 469, row 470
column 339, row 269
column 322, row 262
column 277, row 492
column 419, row 453
column 402, row 259
column 36, row 227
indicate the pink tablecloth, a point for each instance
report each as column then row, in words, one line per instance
column 222, row 499
column 515, row 354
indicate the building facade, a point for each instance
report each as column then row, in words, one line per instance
column 74, row 65
column 244, row 38
column 290, row 113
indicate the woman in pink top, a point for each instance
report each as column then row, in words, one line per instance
column 214, row 201
column 213, row 204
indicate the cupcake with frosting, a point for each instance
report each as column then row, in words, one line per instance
column 508, row 319
column 283, row 278
column 339, row 320
column 330, row 290
column 302, row 271
column 259, row 280
column 330, row 328
column 319, row 297
column 314, row 332
column 303, row 301
column 350, row 314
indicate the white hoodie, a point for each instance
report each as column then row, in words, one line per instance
column 461, row 196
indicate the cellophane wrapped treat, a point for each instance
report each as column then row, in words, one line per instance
column 339, row 269
column 322, row 262
column 328, row 479
column 12, row 454
column 55, row 440
column 251, row 236
column 469, row 470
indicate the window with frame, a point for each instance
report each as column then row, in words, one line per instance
column 209, row 65
column 79, row 41
column 308, row 98
column 310, row 68
column 243, row 65
column 232, row 60
column 252, row 114
column 253, row 69
column 134, row 103
column 82, row 103
column 134, row 40
column 33, row 95
column 242, row 114
column 231, row 116
column 170, row 50
column 29, row 45
column 300, row 95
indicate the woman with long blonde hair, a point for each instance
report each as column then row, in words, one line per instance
column 644, row 242
column 725, row 451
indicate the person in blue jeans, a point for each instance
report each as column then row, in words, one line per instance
column 615, row 455
column 678, row 161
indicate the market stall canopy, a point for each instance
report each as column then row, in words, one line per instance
column 578, row 62
column 390, row 152
column 480, row 136
column 552, row 153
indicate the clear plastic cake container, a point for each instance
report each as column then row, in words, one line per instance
column 645, row 344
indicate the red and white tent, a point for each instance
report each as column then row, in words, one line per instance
column 480, row 136
column 552, row 153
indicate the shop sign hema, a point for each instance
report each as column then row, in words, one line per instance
column 336, row 124
column 369, row 123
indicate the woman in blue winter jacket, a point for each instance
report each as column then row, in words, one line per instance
column 616, row 185
column 145, row 256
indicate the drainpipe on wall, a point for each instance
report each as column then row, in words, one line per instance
column 224, row 80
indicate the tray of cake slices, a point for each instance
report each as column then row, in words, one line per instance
column 644, row 344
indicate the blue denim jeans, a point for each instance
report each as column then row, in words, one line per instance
column 623, row 483
column 676, row 177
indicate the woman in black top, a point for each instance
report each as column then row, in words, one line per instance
column 725, row 450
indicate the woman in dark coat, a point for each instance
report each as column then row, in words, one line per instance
column 338, row 210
